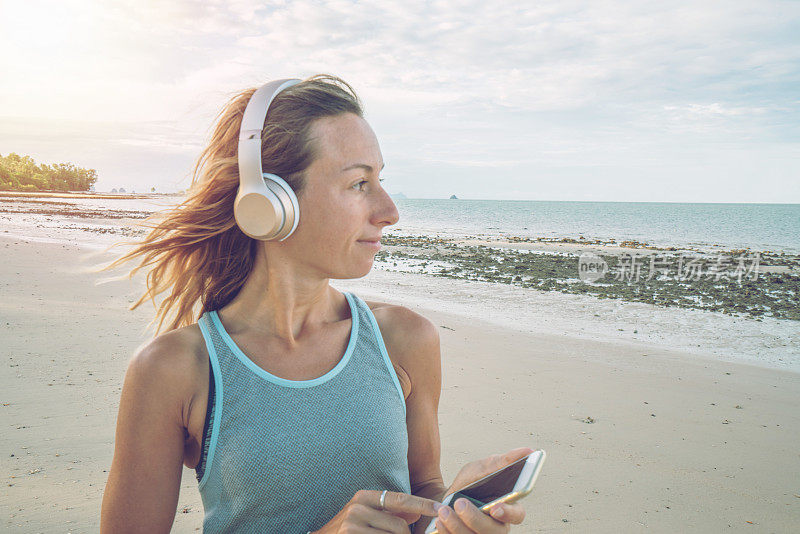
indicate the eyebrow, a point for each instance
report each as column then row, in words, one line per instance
column 364, row 166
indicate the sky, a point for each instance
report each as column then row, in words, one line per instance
column 553, row 100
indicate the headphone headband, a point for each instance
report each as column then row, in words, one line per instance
column 265, row 208
column 256, row 111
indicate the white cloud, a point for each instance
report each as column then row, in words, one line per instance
column 473, row 84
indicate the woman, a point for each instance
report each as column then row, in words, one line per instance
column 301, row 408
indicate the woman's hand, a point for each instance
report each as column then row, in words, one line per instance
column 468, row 518
column 363, row 513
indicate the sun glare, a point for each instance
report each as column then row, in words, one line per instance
column 38, row 25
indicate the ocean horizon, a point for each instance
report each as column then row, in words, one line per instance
column 700, row 225
column 394, row 197
column 707, row 226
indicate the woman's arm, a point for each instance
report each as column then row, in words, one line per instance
column 413, row 343
column 141, row 494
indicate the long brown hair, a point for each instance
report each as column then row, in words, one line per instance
column 195, row 250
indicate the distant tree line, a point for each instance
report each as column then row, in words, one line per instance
column 21, row 173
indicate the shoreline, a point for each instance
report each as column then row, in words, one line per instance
column 765, row 342
column 735, row 282
column 738, row 282
column 82, row 194
column 655, row 438
column 710, row 336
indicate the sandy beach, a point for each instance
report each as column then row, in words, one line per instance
column 640, row 435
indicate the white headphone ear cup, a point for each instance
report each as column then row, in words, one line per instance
column 288, row 202
column 262, row 209
column 258, row 212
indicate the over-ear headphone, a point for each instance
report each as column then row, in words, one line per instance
column 265, row 208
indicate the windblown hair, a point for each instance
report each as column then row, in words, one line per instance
column 195, row 251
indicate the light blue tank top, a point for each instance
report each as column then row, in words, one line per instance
column 285, row 456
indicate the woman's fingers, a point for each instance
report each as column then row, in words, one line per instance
column 398, row 502
column 440, row 528
column 498, row 461
column 469, row 519
column 508, row 513
column 515, row 454
column 377, row 519
column 512, row 513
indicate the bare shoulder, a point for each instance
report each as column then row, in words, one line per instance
column 173, row 365
column 401, row 322
column 412, row 342
column 177, row 350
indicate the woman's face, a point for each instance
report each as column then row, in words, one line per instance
column 343, row 205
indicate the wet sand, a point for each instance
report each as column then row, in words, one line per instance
column 639, row 435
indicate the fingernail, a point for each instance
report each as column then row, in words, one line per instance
column 461, row 504
column 444, row 512
column 437, row 506
column 497, row 511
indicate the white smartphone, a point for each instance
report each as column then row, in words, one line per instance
column 505, row 485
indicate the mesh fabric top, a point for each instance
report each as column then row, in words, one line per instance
column 285, row 456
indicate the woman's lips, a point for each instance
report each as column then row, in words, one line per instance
column 372, row 244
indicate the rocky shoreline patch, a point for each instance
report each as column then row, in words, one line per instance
column 735, row 282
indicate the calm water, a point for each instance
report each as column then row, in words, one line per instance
column 774, row 227
column 757, row 226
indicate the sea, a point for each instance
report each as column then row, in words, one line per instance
column 773, row 227
column 703, row 226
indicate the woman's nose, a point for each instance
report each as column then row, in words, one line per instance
column 387, row 213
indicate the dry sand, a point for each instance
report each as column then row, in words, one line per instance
column 678, row 442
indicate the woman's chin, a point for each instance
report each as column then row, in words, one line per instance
column 354, row 273
column 364, row 272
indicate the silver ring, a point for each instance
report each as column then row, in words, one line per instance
column 383, row 500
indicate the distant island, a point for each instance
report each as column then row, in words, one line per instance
column 397, row 195
column 453, row 197
column 21, row 173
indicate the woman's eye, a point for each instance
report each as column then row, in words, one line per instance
column 359, row 184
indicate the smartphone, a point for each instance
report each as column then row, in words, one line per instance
column 505, row 485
